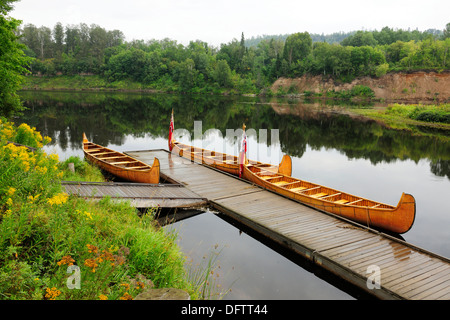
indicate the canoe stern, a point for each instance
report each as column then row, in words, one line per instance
column 406, row 208
column 285, row 166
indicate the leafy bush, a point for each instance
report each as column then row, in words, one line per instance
column 356, row 91
column 433, row 116
column 426, row 113
column 362, row 91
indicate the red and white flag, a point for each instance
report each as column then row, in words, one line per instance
column 242, row 154
column 171, row 133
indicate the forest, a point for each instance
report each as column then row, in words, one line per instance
column 239, row 66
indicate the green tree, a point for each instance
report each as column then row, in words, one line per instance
column 12, row 62
column 446, row 33
column 98, row 41
column 187, row 75
column 297, row 47
column 222, row 74
column 128, row 64
column 44, row 35
column 72, row 39
column 29, row 37
column 231, row 53
column 58, row 36
column 362, row 38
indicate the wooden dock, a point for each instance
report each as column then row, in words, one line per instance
column 140, row 195
column 379, row 264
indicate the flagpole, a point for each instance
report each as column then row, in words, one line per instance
column 243, row 151
column 171, row 128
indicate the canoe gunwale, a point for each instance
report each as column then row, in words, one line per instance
column 312, row 187
column 132, row 160
column 138, row 171
column 405, row 206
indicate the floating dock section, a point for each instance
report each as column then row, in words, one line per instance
column 381, row 265
column 140, row 195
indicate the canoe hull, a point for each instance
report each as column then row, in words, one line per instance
column 397, row 219
column 224, row 162
column 145, row 173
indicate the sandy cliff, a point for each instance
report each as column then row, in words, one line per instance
column 412, row 87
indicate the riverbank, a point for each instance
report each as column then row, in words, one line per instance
column 97, row 83
column 82, row 83
column 59, row 247
column 413, row 88
column 414, row 117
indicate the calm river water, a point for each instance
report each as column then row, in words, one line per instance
column 326, row 145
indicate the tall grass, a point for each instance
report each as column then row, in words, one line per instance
column 425, row 113
column 204, row 275
column 45, row 233
column 83, row 171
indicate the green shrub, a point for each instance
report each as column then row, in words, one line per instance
column 433, row 116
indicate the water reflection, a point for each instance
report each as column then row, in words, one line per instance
column 107, row 118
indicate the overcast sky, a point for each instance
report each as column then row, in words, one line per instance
column 217, row 22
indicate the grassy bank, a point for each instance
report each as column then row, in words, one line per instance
column 401, row 116
column 81, row 82
column 44, row 231
column 98, row 83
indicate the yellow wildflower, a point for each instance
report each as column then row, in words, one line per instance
column 47, row 140
column 41, row 170
column 26, row 166
column 140, row 285
column 103, row 297
column 33, row 198
column 11, row 191
column 59, row 198
column 113, row 248
column 9, row 202
column 7, row 132
column 90, row 263
column 52, row 293
column 126, row 296
column 88, row 215
column 54, row 157
column 92, row 248
column 66, row 260
column 108, row 255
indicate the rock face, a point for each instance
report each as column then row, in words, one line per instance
column 163, row 294
column 414, row 87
